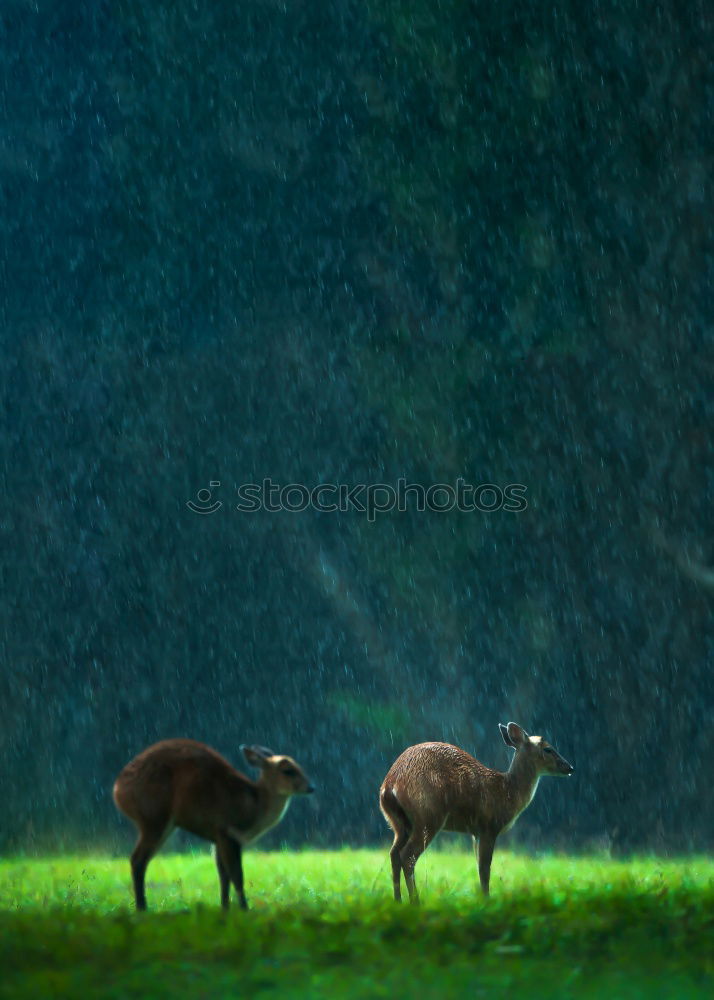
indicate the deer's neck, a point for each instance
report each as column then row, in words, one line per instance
column 271, row 809
column 267, row 810
column 521, row 781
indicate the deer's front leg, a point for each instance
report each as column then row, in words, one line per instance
column 486, row 844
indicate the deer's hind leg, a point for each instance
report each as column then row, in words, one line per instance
column 421, row 836
column 146, row 847
column 399, row 822
column 395, row 856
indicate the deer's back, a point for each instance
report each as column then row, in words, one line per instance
column 444, row 782
column 163, row 761
column 434, row 762
column 186, row 781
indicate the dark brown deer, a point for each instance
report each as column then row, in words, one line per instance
column 437, row 786
column 187, row 784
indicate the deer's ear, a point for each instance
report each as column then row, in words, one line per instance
column 255, row 755
column 516, row 734
column 506, row 737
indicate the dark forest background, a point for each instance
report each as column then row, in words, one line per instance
column 351, row 242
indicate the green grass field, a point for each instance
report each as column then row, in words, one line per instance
column 323, row 924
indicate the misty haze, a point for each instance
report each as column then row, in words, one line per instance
column 371, row 244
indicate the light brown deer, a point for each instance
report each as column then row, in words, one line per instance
column 437, row 786
column 187, row 784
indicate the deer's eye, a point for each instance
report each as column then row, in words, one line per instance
column 290, row 772
column 548, row 750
